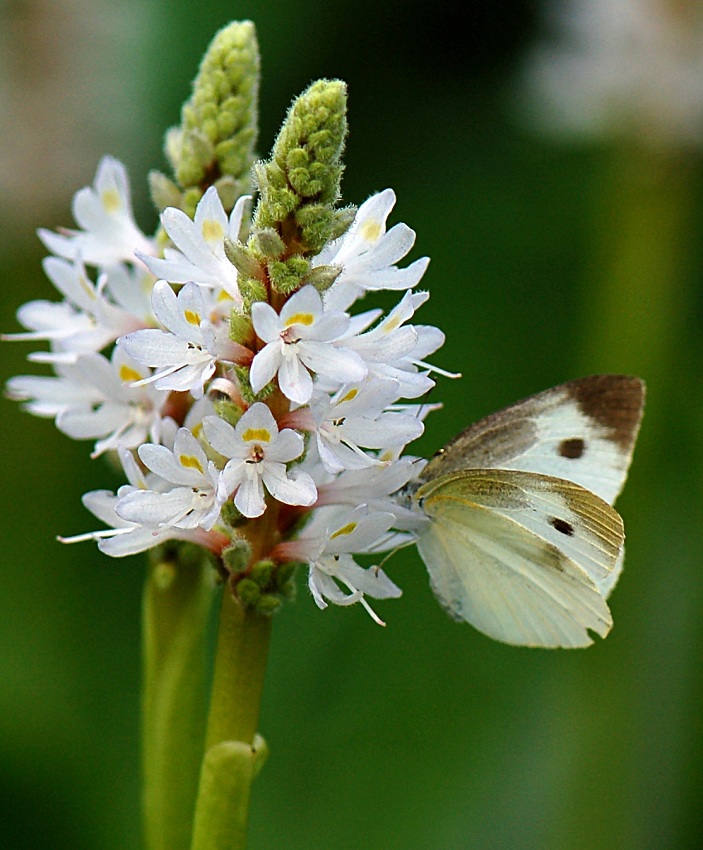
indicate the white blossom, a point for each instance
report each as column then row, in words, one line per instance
column 194, row 500
column 48, row 396
column 199, row 255
column 109, row 233
column 186, row 354
column 354, row 418
column 395, row 350
column 121, row 537
column 86, row 321
column 258, row 453
column 367, row 254
column 122, row 415
column 326, row 545
column 302, row 338
column 374, row 486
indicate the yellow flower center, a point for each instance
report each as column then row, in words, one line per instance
column 349, row 396
column 110, row 199
column 300, row 319
column 128, row 374
column 190, row 462
column 212, row 231
column 261, row 435
column 371, row 230
column 345, row 529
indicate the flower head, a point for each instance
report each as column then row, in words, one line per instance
column 258, row 453
column 185, row 355
column 299, row 341
column 367, row 254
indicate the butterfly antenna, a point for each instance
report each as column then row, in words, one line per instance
column 387, row 558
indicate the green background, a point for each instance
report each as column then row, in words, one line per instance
column 548, row 262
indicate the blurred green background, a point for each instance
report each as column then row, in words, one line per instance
column 548, row 262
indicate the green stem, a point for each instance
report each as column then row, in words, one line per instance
column 641, row 273
column 177, row 602
column 234, row 752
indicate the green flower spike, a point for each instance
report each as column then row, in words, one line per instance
column 214, row 144
column 299, row 186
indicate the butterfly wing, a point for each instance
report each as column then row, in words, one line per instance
column 520, row 555
column 583, row 431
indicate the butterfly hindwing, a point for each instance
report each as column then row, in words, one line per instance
column 512, row 587
column 519, row 555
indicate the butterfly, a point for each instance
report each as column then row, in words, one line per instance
column 522, row 540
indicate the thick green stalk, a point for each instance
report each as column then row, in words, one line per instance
column 234, row 753
column 634, row 313
column 177, row 602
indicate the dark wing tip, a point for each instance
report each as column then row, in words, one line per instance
column 615, row 402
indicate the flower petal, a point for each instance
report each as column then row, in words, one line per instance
column 249, row 498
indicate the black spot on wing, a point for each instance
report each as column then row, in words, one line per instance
column 573, row 448
column 562, row 526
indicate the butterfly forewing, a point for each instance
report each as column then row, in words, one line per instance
column 583, row 431
column 506, row 581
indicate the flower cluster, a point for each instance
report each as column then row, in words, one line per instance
column 247, row 417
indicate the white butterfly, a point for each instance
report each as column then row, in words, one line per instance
column 522, row 541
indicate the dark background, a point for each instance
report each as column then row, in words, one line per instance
column 549, row 261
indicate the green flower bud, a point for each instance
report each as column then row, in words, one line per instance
column 164, row 192
column 285, row 579
column 262, row 573
column 242, row 259
column 236, row 557
column 299, row 185
column 267, row 603
column 267, row 243
column 240, row 327
column 218, row 130
column 230, row 516
column 322, row 277
column 252, row 290
column 228, row 189
column 249, row 396
column 247, row 592
column 226, row 409
column 286, row 276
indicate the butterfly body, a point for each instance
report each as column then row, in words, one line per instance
column 522, row 540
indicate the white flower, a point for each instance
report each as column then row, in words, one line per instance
column 49, row 396
column 122, row 415
column 186, row 355
column 326, row 544
column 367, row 254
column 130, row 287
column 122, row 537
column 395, row 350
column 356, row 417
column 110, row 234
column 258, row 454
column 86, row 321
column 375, row 486
column 194, row 500
column 200, row 257
column 302, row 339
